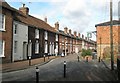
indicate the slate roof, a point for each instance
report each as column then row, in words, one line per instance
column 115, row 22
column 28, row 19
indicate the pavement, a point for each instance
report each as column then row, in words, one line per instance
column 107, row 64
column 20, row 65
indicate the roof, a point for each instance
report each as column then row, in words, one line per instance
column 28, row 19
column 115, row 22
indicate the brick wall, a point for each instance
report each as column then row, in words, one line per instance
column 103, row 40
column 7, row 35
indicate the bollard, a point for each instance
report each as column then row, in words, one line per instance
column 78, row 59
column 44, row 58
column 29, row 60
column 64, row 69
column 99, row 59
column 48, row 56
column 86, row 59
column 37, row 74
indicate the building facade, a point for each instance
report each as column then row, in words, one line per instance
column 103, row 39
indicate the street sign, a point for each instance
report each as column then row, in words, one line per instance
column 89, row 34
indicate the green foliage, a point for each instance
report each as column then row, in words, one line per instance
column 87, row 52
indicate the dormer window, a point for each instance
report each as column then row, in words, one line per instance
column 46, row 35
column 36, row 33
column 2, row 22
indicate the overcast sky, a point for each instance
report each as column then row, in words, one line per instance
column 77, row 15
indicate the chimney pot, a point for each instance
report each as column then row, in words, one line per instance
column 24, row 9
column 45, row 19
column 57, row 26
column 70, row 31
column 65, row 30
column 79, row 35
column 82, row 36
column 75, row 33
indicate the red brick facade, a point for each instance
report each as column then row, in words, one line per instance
column 103, row 39
column 7, row 34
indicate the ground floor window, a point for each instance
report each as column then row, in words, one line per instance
column 2, row 47
column 37, row 47
column 15, row 46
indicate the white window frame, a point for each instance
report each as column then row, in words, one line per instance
column 46, row 35
column 37, row 47
column 3, row 48
column 36, row 33
column 46, row 46
column 15, row 46
column 3, row 21
column 56, row 37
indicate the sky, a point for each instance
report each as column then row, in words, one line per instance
column 77, row 15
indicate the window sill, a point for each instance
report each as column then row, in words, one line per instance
column 1, row 30
column 2, row 56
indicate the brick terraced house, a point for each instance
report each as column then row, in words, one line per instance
column 23, row 36
column 103, row 39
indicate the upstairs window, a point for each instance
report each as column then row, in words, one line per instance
column 56, row 37
column 15, row 29
column 2, row 22
column 46, row 35
column 46, row 47
column 36, row 33
column 2, row 47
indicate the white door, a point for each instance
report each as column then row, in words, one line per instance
column 24, row 50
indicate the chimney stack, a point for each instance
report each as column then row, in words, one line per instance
column 78, row 35
column 24, row 9
column 70, row 31
column 75, row 33
column 82, row 36
column 65, row 30
column 57, row 26
column 45, row 19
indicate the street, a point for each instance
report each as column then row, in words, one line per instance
column 54, row 71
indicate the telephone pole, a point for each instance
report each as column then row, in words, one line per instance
column 111, row 37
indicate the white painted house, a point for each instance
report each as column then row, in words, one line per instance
column 20, row 41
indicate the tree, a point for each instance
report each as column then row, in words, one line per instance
column 87, row 52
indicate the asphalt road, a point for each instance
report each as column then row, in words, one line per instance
column 54, row 71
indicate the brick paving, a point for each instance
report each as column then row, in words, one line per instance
column 7, row 67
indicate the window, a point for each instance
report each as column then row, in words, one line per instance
column 56, row 37
column 36, row 33
column 2, row 47
column 46, row 47
column 36, row 47
column 46, row 35
column 15, row 28
column 15, row 46
column 2, row 22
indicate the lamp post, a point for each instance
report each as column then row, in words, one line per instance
column 100, row 51
column 65, row 46
column 111, row 37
